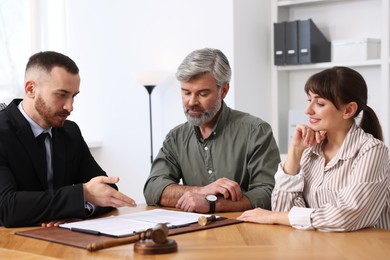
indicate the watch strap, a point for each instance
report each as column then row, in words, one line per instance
column 212, row 207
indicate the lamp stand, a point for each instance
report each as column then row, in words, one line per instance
column 150, row 88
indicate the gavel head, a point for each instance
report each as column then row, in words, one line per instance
column 156, row 241
column 159, row 233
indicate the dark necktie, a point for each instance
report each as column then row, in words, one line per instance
column 44, row 144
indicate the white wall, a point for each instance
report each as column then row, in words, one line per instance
column 252, row 57
column 109, row 40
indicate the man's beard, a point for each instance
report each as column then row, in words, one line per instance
column 206, row 116
column 52, row 118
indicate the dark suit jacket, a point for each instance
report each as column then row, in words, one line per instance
column 24, row 196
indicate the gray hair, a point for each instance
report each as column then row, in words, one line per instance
column 204, row 61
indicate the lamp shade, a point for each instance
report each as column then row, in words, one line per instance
column 149, row 78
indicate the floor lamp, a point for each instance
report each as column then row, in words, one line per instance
column 150, row 88
column 150, row 80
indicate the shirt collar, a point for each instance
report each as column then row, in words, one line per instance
column 347, row 150
column 36, row 129
column 222, row 119
column 220, row 123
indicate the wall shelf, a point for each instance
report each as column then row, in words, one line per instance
column 325, row 65
column 302, row 2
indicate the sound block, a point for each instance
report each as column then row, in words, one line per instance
column 148, row 247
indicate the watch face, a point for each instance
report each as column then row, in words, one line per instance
column 211, row 197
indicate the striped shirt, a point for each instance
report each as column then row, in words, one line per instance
column 351, row 192
column 2, row 106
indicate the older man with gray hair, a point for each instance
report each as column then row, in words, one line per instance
column 221, row 159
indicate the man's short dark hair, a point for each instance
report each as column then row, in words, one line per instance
column 46, row 60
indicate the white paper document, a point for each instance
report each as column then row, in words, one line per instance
column 127, row 224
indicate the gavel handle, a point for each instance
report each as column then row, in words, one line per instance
column 112, row 242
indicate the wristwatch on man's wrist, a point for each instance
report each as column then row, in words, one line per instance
column 212, row 199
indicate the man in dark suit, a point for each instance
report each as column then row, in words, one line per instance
column 48, row 187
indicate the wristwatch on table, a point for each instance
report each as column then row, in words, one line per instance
column 212, row 199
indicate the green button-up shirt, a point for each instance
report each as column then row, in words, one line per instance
column 241, row 148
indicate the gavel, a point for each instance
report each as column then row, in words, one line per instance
column 158, row 234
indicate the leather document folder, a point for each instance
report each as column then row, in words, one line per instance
column 312, row 44
column 84, row 240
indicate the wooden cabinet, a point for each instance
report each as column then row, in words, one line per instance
column 338, row 20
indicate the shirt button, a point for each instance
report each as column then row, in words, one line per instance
column 206, row 148
column 210, row 171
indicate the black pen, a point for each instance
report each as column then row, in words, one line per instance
column 179, row 226
column 88, row 231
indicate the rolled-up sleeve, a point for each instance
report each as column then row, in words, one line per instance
column 164, row 171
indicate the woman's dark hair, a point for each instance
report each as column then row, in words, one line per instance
column 342, row 85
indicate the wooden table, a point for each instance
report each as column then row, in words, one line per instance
column 239, row 241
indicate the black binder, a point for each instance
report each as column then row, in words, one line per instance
column 279, row 43
column 313, row 46
column 292, row 42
